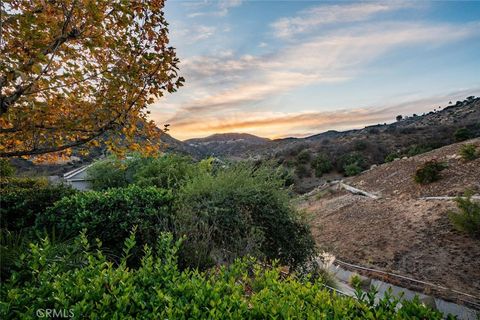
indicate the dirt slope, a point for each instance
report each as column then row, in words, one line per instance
column 400, row 232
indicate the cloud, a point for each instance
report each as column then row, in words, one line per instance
column 309, row 20
column 221, row 9
column 235, row 83
column 278, row 124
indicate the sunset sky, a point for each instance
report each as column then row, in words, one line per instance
column 292, row 68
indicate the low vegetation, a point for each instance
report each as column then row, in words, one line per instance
column 322, row 165
column 469, row 152
column 467, row 218
column 351, row 164
column 157, row 288
column 429, row 172
column 242, row 210
column 463, row 134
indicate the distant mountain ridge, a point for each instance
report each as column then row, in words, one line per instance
column 397, row 134
column 226, row 143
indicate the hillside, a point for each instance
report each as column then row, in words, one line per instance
column 400, row 232
column 227, row 143
column 433, row 129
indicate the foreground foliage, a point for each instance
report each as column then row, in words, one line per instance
column 22, row 199
column 157, row 289
column 109, row 216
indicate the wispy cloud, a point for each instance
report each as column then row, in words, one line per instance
column 278, row 124
column 315, row 17
column 240, row 86
column 221, row 8
column 235, row 83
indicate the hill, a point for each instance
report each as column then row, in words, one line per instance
column 369, row 146
column 227, row 143
column 401, row 232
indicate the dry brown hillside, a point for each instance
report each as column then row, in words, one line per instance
column 400, row 232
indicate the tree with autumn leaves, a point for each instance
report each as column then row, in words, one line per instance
column 74, row 73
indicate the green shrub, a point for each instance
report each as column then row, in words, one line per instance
column 14, row 245
column 463, row 134
column 322, row 165
column 158, row 289
column 352, row 169
column 167, row 171
column 302, row 171
column 110, row 215
column 468, row 218
column 392, row 156
column 107, row 173
column 360, row 145
column 351, row 158
column 241, row 210
column 23, row 199
column 429, row 172
column 304, row 156
column 469, row 152
column 417, row 149
column 6, row 169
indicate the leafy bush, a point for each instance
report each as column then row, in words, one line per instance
column 392, row 156
column 468, row 218
column 302, row 171
column 469, row 152
column 429, row 172
column 6, row 169
column 23, row 199
column 157, row 289
column 349, row 159
column 237, row 211
column 418, row 149
column 360, row 145
column 110, row 215
column 463, row 134
column 167, row 171
column 14, row 245
column 107, row 173
column 352, row 169
column 304, row 157
column 322, row 165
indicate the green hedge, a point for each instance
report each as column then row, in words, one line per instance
column 110, row 215
column 23, row 199
column 157, row 289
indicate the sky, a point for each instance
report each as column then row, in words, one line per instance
column 297, row 68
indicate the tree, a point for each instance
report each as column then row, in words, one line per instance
column 72, row 71
column 399, row 117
